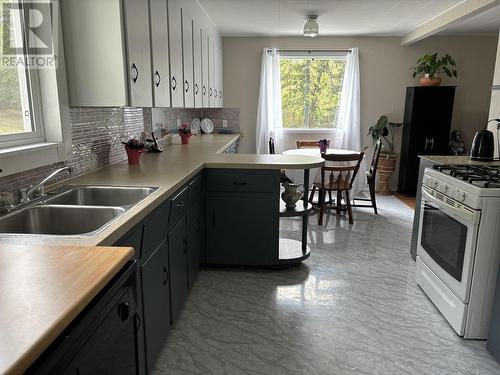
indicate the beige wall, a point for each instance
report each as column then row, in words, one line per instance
column 385, row 72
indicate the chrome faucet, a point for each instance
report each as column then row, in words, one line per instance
column 25, row 194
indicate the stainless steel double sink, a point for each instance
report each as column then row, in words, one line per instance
column 81, row 210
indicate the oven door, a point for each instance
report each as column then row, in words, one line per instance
column 447, row 241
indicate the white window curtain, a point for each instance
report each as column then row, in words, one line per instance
column 269, row 114
column 348, row 134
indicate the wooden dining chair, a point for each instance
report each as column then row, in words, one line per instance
column 306, row 144
column 272, row 151
column 338, row 175
column 371, row 176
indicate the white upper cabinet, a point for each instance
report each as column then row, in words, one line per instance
column 197, row 65
column 95, row 54
column 159, row 53
column 187, row 53
column 211, row 72
column 175, row 39
column 205, row 69
column 138, row 52
column 141, row 53
column 221, row 76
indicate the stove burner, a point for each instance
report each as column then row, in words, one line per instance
column 477, row 175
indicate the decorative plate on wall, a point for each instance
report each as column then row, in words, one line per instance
column 207, row 126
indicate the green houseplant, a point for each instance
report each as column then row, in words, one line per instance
column 431, row 66
column 384, row 129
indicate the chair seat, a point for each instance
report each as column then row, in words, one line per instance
column 334, row 185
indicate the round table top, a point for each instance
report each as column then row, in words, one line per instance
column 315, row 151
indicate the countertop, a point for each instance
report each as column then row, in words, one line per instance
column 43, row 289
column 168, row 170
column 462, row 160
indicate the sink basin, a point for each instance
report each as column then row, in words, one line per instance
column 115, row 196
column 58, row 220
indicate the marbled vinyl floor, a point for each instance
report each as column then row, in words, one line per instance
column 352, row 308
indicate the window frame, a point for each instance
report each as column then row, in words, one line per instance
column 308, row 54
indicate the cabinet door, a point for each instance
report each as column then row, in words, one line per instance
column 111, row 348
column 159, row 43
column 240, row 230
column 138, row 52
column 195, row 238
column 220, row 76
column 156, row 302
column 205, row 91
column 175, row 51
column 216, row 72
column 177, row 244
column 211, row 71
column 197, row 65
column 187, row 53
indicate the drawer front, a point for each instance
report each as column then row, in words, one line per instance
column 155, row 230
column 241, row 182
column 195, row 191
column 178, row 206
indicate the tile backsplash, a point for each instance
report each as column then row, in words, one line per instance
column 97, row 134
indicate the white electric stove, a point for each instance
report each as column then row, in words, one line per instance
column 458, row 249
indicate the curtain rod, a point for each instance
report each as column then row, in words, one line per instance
column 313, row 51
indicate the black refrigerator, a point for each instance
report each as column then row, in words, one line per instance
column 426, row 130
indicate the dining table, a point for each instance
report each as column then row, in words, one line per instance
column 298, row 178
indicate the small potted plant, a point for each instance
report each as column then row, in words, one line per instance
column 431, row 66
column 323, row 145
column 384, row 129
column 185, row 134
column 134, row 149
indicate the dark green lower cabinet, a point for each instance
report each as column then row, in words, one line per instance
column 111, row 348
column 195, row 238
column 177, row 244
column 241, row 229
column 156, row 302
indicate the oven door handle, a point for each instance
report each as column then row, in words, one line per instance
column 467, row 217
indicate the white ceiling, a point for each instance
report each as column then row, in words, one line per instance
column 337, row 17
column 487, row 22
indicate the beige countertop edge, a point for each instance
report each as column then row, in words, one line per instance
column 30, row 351
column 132, row 217
column 459, row 160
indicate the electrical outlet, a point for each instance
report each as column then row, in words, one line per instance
column 179, row 123
column 224, row 123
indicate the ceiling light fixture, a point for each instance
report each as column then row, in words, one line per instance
column 311, row 28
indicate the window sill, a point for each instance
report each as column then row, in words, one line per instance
column 308, row 130
column 9, row 151
column 22, row 158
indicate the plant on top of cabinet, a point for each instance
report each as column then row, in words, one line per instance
column 431, row 66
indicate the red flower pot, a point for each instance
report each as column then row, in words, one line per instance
column 134, row 156
column 185, row 138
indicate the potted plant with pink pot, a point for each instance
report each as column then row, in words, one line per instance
column 134, row 149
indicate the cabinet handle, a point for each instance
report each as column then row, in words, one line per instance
column 186, row 86
column 213, row 220
column 180, row 204
column 204, row 90
column 135, row 73
column 123, row 311
column 198, row 225
column 210, row 91
column 174, row 83
column 165, row 275
column 138, row 321
column 196, row 89
column 240, row 183
column 157, row 79
column 220, row 94
column 215, row 93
